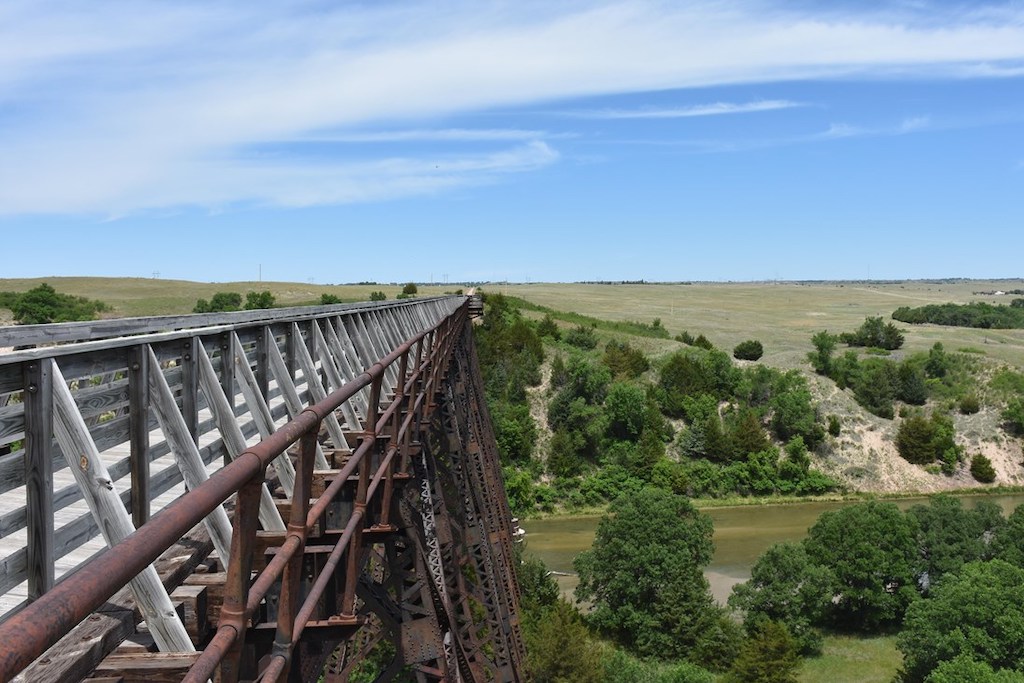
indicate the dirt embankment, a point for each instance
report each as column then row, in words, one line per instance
column 864, row 455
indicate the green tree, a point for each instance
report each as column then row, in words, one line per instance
column 378, row 296
column 785, row 586
column 43, row 304
column 793, row 413
column 547, row 327
column 963, row 669
column 258, row 300
column 626, row 407
column 746, row 435
column 948, row 536
column 220, row 302
column 871, row 549
column 824, row 346
column 937, row 364
column 977, row 612
column 329, row 299
column 874, row 389
column 982, row 470
column 910, row 384
column 559, row 647
column 768, row 655
column 410, row 289
column 514, row 431
column 1008, row 541
column 914, row 440
column 624, row 360
column 582, row 337
column 644, row 575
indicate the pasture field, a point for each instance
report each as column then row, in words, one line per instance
column 783, row 316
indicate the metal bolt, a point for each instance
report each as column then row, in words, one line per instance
column 32, row 388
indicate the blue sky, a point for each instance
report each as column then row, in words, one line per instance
column 336, row 142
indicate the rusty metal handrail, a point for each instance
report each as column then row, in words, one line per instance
column 29, row 633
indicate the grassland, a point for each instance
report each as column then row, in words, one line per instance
column 132, row 297
column 782, row 316
column 853, row 659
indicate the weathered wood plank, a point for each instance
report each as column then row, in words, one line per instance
column 291, row 396
column 75, row 655
column 186, row 454
column 193, row 599
column 39, row 382
column 334, row 379
column 318, row 394
column 12, row 422
column 24, row 335
column 347, row 363
column 106, row 506
column 12, row 521
column 261, row 415
column 232, row 435
column 138, row 433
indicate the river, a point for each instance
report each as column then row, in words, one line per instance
column 742, row 533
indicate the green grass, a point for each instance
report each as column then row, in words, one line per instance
column 783, row 317
column 853, row 659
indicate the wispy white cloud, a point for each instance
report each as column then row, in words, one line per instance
column 714, row 109
column 124, row 106
column 437, row 135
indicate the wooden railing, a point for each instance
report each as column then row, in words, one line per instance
column 138, row 415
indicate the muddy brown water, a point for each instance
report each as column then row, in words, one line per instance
column 742, row 533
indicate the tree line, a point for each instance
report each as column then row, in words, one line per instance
column 975, row 314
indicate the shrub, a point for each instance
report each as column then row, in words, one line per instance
column 378, row 296
column 410, row 289
column 703, row 342
column 258, row 300
column 833, row 425
column 1014, row 415
column 548, row 328
column 329, row 299
column 981, row 469
column 220, row 302
column 43, row 304
column 581, row 337
column 624, row 360
column 969, row 405
column 748, row 350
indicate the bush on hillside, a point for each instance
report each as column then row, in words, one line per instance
column 748, row 350
column 982, row 470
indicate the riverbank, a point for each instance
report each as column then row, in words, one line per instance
column 759, row 501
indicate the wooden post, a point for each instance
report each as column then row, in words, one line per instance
column 227, row 368
column 234, row 440
column 111, row 516
column 264, row 336
column 186, row 454
column 38, row 397
column 138, row 431
column 189, row 387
